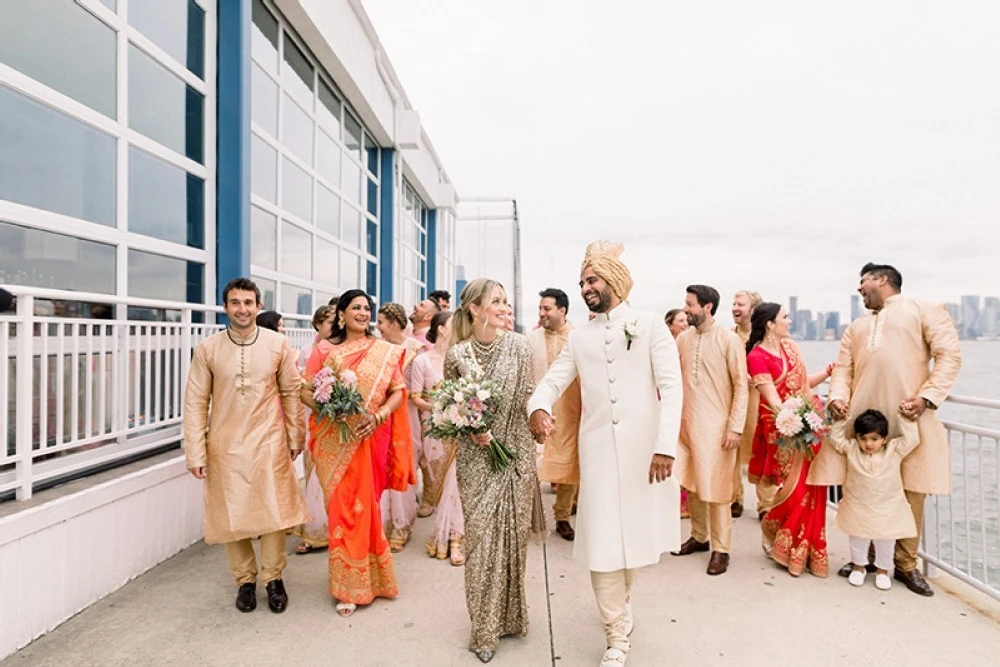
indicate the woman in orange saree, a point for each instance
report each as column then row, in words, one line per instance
column 794, row 530
column 354, row 472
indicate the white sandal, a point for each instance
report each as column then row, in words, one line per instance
column 613, row 657
column 346, row 609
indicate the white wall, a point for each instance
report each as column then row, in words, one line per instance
column 59, row 557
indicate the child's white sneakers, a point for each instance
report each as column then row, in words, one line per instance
column 883, row 582
column 857, row 577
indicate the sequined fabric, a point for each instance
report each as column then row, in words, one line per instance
column 497, row 506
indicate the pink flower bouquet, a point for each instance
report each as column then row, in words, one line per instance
column 336, row 393
column 465, row 407
column 800, row 425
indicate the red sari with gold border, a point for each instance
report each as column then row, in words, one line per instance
column 353, row 474
column 794, row 530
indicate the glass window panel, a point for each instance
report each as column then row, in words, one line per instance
column 327, row 263
column 352, row 134
column 327, row 210
column 177, row 27
column 158, row 277
column 296, row 300
column 42, row 259
column 296, row 190
column 297, row 73
column 372, row 238
column 328, row 158
column 263, row 169
column 329, row 109
column 351, row 180
column 264, row 36
column 350, row 266
column 165, row 201
column 372, row 278
column 372, row 151
column 351, row 227
column 296, row 251
column 267, row 289
column 45, row 39
column 297, row 131
column 263, row 239
column 372, row 197
column 110, row 4
column 264, row 101
column 163, row 107
column 53, row 162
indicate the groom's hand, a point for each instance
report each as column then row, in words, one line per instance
column 541, row 425
column 660, row 467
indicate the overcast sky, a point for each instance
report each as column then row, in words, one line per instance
column 767, row 145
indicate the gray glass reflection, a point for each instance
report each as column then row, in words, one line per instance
column 327, row 210
column 328, row 158
column 352, row 134
column 56, row 261
column 163, row 107
column 110, row 4
column 264, row 36
column 351, row 180
column 263, row 169
column 177, row 27
column 53, row 162
column 297, row 131
column 297, row 73
column 45, row 39
column 263, row 239
column 153, row 276
column 351, row 226
column 296, row 190
column 267, row 289
column 296, row 251
column 297, row 300
column 329, row 109
column 327, row 263
column 164, row 201
column 350, row 267
column 264, row 101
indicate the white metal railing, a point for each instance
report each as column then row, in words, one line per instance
column 84, row 393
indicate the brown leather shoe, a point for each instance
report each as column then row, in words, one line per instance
column 718, row 563
column 691, row 546
column 736, row 510
column 915, row 582
column 565, row 530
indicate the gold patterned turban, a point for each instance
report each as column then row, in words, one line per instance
column 602, row 257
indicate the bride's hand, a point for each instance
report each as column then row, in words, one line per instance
column 482, row 439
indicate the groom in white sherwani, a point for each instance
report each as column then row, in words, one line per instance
column 628, row 511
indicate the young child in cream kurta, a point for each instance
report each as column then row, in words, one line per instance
column 874, row 507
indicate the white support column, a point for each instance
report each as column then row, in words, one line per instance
column 24, row 397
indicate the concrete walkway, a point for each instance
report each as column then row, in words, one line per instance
column 182, row 613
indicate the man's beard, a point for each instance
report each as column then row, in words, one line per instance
column 604, row 304
column 695, row 320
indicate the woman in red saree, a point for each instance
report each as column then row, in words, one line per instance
column 794, row 530
column 379, row 455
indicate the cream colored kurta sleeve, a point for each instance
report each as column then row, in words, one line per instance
column 842, row 378
column 838, row 437
column 908, row 439
column 667, row 375
column 197, row 397
column 736, row 360
column 560, row 375
column 289, row 383
column 945, row 349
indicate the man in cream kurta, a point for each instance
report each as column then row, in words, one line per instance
column 628, row 508
column 884, row 365
column 242, row 431
column 560, row 462
column 714, row 368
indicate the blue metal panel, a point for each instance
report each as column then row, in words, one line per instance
column 431, row 276
column 232, row 218
column 386, row 224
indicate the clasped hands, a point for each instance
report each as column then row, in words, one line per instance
column 910, row 408
column 542, row 425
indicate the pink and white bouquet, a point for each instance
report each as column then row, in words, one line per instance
column 801, row 425
column 336, row 393
column 465, row 407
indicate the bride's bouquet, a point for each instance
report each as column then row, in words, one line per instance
column 800, row 425
column 465, row 407
column 335, row 392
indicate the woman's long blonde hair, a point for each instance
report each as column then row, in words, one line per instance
column 475, row 293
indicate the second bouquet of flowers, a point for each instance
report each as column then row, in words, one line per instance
column 801, row 425
column 336, row 393
column 465, row 407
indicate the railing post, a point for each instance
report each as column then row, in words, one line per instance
column 24, row 395
column 186, row 348
column 930, row 539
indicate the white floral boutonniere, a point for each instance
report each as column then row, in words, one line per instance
column 631, row 333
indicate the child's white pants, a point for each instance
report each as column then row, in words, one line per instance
column 883, row 552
